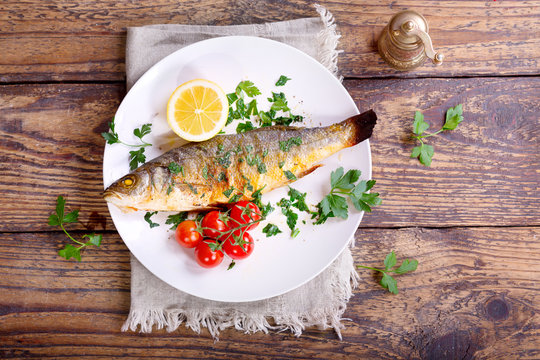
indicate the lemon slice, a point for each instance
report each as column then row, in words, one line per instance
column 197, row 110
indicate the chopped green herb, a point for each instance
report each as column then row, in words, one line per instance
column 282, row 80
column 192, row 188
column 175, row 168
column 252, row 108
column 279, row 102
column 231, row 98
column 244, row 127
column 295, row 232
column 147, row 217
column 287, row 144
column 235, row 198
column 231, row 265
column 289, row 175
column 271, row 230
column 205, row 172
column 261, row 167
column 176, row 219
column 144, row 130
column 228, row 192
column 169, row 189
column 281, row 163
column 221, row 177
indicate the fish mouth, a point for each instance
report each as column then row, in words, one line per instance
column 110, row 194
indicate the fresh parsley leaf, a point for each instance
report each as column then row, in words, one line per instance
column 282, row 80
column 59, row 219
column 147, row 217
column 136, row 157
column 424, row 152
column 111, row 136
column 231, row 265
column 248, row 87
column 334, row 205
column 287, row 144
column 454, row 116
column 192, row 188
column 289, row 175
column 407, row 266
column 390, row 261
column 281, row 163
column 387, row 281
column 295, row 232
column 93, row 239
column 235, row 198
column 176, row 219
column 70, row 251
column 419, row 125
column 144, row 130
column 271, row 230
column 244, row 127
column 292, row 218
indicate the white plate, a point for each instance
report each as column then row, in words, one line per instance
column 278, row 264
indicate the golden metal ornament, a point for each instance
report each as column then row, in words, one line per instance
column 405, row 44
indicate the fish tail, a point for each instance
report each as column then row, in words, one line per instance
column 361, row 126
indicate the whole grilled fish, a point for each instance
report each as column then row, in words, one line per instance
column 206, row 174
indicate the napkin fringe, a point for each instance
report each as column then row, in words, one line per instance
column 328, row 39
column 218, row 320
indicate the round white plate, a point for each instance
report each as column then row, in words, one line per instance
column 279, row 263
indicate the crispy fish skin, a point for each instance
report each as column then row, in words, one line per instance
column 242, row 162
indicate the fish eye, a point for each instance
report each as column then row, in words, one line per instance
column 128, row 181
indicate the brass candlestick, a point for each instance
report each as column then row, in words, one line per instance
column 405, row 44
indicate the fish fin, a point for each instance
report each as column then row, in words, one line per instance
column 362, row 126
column 309, row 171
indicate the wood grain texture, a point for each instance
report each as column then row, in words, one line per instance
column 71, row 40
column 474, row 295
column 484, row 172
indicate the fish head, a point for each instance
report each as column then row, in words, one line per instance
column 129, row 191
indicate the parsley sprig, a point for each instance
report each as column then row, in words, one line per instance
column 59, row 219
column 343, row 184
column 136, row 157
column 425, row 152
column 387, row 281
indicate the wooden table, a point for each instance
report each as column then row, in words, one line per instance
column 472, row 219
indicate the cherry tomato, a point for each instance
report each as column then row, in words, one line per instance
column 244, row 212
column 214, row 224
column 236, row 252
column 205, row 256
column 186, row 234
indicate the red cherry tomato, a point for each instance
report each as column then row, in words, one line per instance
column 238, row 252
column 205, row 256
column 244, row 212
column 186, row 234
column 214, row 225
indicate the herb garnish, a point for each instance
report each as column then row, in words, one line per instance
column 136, row 157
column 335, row 205
column 175, row 168
column 231, row 265
column 289, row 175
column 425, row 152
column 176, row 219
column 282, row 80
column 59, row 219
column 287, row 144
column 147, row 217
column 387, row 281
column 248, row 87
column 271, row 230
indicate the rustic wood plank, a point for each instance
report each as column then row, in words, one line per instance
column 474, row 295
column 71, row 40
column 485, row 172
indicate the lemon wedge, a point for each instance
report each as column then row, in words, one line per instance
column 197, row 110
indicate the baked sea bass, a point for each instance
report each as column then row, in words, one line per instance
column 209, row 173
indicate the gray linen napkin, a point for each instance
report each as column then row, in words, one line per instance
column 322, row 301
